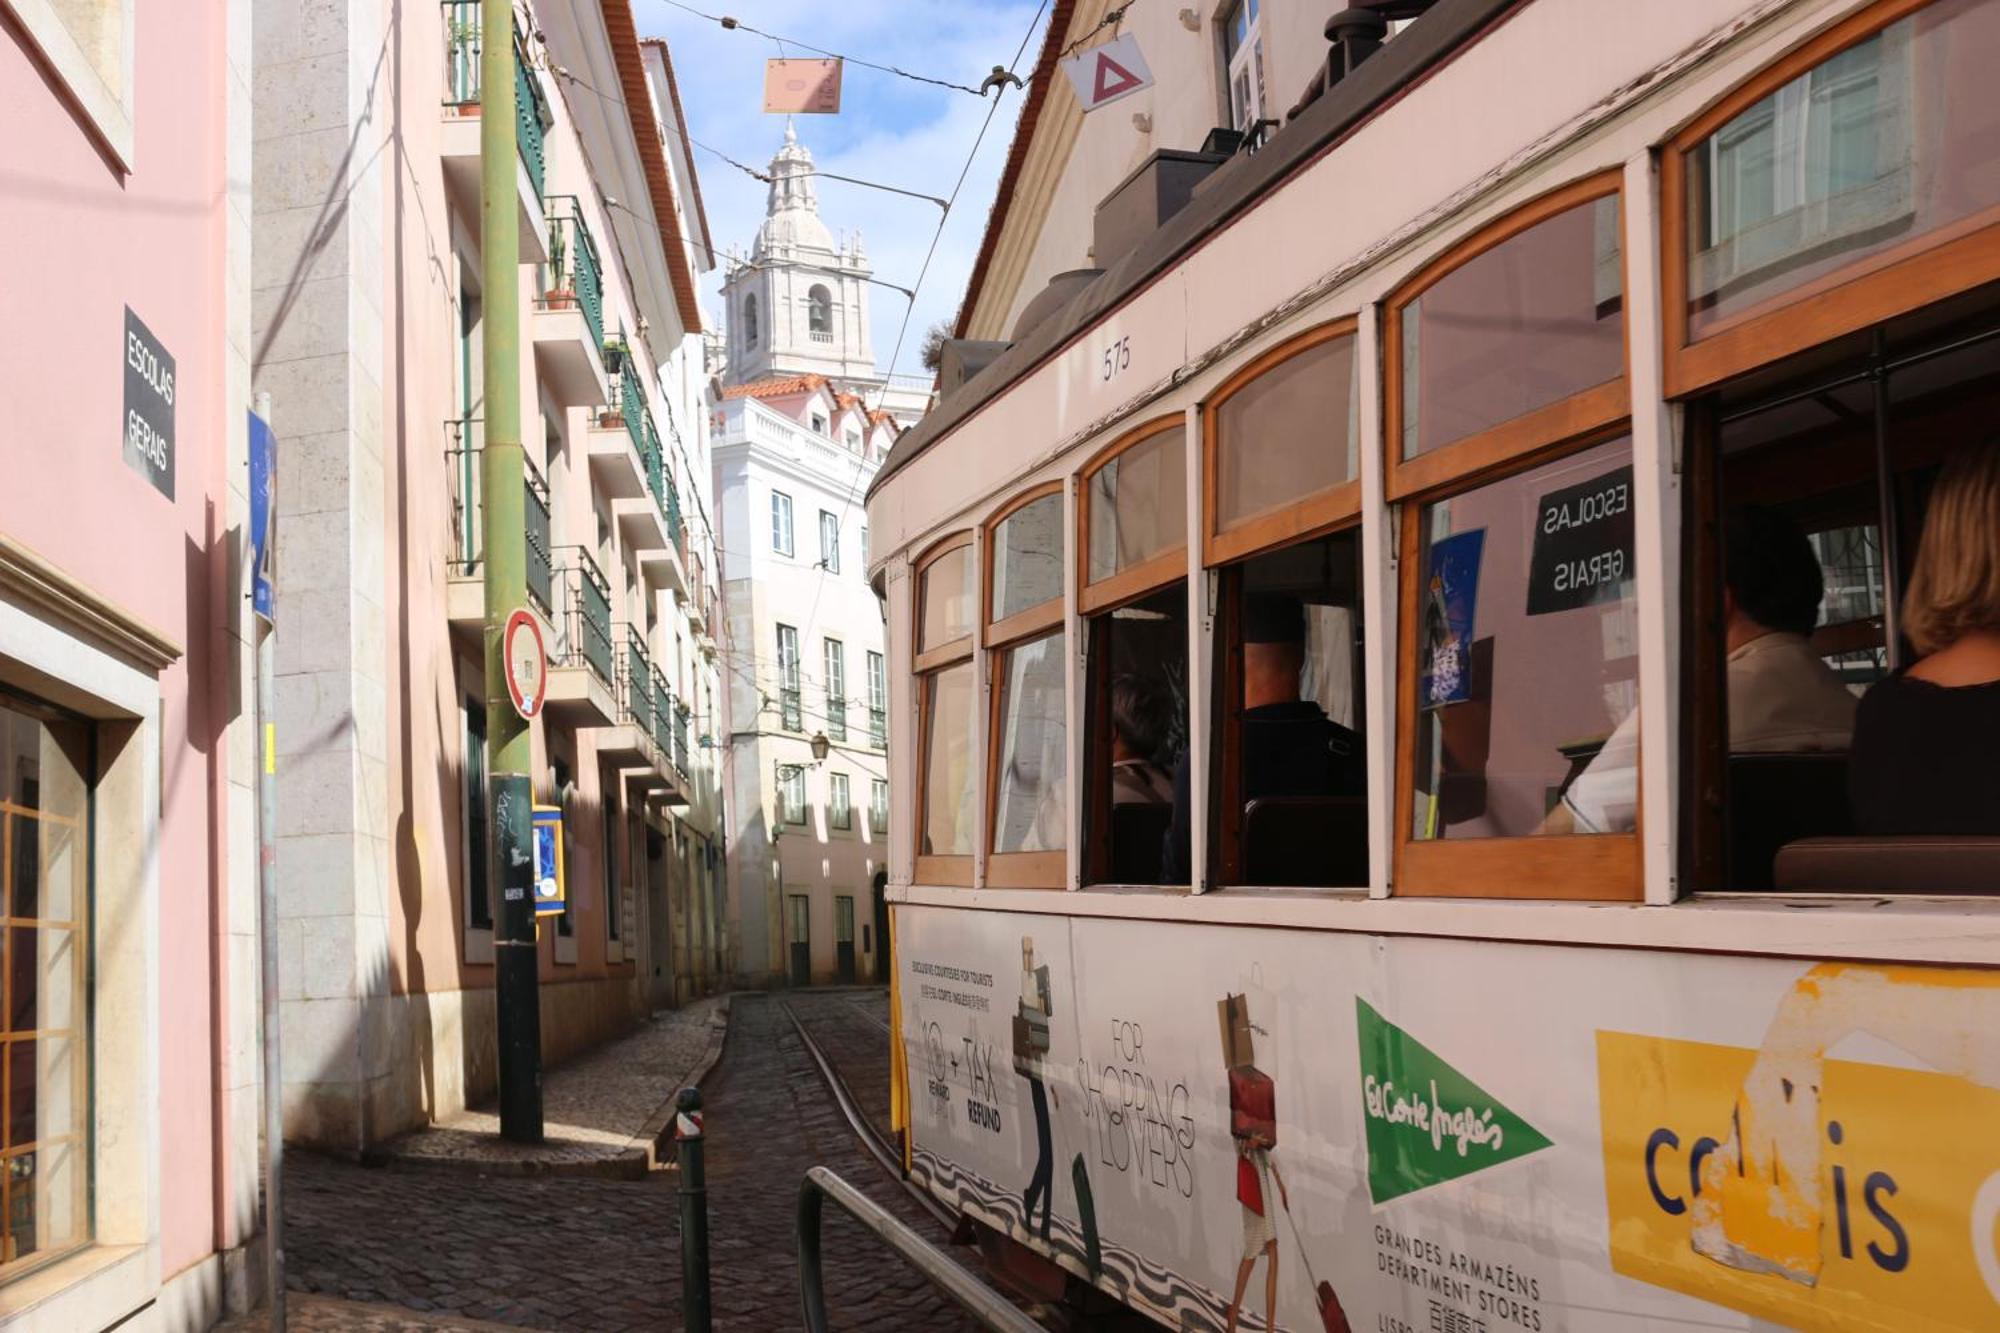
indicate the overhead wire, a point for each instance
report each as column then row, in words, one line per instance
column 736, row 24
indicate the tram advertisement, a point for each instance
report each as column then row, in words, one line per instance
column 1393, row 1134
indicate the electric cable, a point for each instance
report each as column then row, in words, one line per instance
column 736, row 24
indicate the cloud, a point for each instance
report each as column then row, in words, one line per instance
column 891, row 130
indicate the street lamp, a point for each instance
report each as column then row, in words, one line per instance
column 820, row 746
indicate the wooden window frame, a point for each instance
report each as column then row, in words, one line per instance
column 1540, row 429
column 1918, row 272
column 1014, row 870
column 1114, row 590
column 1593, row 867
column 952, row 869
column 1310, row 516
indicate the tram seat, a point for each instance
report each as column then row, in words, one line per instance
column 1316, row 842
column 1775, row 799
column 1935, row 864
column 1138, row 833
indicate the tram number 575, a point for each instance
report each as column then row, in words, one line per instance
column 1117, row 357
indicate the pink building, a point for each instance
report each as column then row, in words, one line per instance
column 126, row 746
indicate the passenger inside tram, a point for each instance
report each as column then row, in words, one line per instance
column 1138, row 734
column 1925, row 738
column 1137, row 725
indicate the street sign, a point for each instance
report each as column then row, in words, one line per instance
column 527, row 662
column 809, row 87
column 149, row 406
column 1103, row 74
column 263, row 518
column 551, row 889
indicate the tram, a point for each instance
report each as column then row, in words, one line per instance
column 1411, row 454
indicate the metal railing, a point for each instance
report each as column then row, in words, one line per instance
column 663, row 712
column 462, row 47
column 878, row 727
column 836, row 715
column 681, row 712
column 985, row 1305
column 637, row 681
column 465, row 440
column 583, row 629
column 574, row 273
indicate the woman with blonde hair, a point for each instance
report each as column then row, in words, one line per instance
column 1925, row 738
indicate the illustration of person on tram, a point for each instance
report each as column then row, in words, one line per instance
column 1031, row 1049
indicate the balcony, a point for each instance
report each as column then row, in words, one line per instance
column 878, row 727
column 674, row 770
column 581, row 670
column 460, row 147
column 465, row 566
column 624, row 450
column 628, row 744
column 568, row 323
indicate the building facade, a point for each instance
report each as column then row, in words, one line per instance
column 127, row 761
column 370, row 335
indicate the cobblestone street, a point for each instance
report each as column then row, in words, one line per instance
column 602, row 1254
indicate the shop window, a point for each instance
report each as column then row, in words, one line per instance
column 1517, row 771
column 1028, row 746
column 947, row 693
column 1279, row 441
column 1851, row 182
column 45, row 1056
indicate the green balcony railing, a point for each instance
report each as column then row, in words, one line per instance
column 462, row 46
column 583, row 632
column 663, row 712
column 573, row 270
column 464, row 441
column 681, row 737
column 638, row 681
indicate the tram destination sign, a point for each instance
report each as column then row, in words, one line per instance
column 149, row 406
column 1583, row 545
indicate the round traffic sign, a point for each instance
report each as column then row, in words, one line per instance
column 527, row 662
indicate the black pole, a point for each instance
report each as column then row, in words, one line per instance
column 516, row 979
column 694, row 1212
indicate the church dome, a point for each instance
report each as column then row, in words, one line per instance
column 791, row 210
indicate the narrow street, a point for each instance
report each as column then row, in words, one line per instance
column 562, row 1253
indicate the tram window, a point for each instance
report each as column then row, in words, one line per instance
column 1136, row 722
column 947, row 711
column 1028, row 744
column 1288, row 751
column 1135, row 511
column 1531, row 321
column 1281, row 438
column 1797, row 454
column 1793, row 205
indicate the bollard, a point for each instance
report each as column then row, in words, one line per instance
column 694, row 1212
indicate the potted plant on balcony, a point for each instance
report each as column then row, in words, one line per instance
column 560, row 293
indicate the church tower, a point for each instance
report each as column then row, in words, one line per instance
column 799, row 305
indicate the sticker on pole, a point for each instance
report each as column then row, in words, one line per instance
column 1103, row 74
column 527, row 662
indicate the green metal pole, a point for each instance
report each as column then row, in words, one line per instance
column 504, row 515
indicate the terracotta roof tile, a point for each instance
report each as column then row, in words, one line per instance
column 776, row 386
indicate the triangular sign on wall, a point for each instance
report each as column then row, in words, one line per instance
column 1103, row 74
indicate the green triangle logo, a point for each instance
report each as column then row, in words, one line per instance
column 1426, row 1122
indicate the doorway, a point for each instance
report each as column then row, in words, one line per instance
column 843, row 938
column 659, row 925
column 801, row 938
column 880, row 893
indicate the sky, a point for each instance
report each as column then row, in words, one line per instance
column 902, row 133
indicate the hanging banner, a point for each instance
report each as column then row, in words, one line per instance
column 803, row 87
column 263, row 518
column 1103, row 74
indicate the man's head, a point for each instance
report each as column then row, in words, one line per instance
column 1274, row 648
column 1138, row 717
column 1770, row 575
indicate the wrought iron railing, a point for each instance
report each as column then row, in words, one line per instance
column 663, row 713
column 583, row 629
column 681, row 713
column 637, row 682
column 574, row 272
column 465, row 442
column 836, row 714
column 462, row 47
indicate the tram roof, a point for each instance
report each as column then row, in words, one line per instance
column 1232, row 190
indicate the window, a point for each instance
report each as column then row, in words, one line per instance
column 1134, row 514
column 1849, row 183
column 781, row 523
column 791, row 793
column 819, row 313
column 946, row 712
column 46, row 773
column 836, row 690
column 1262, row 485
column 790, row 713
column 878, row 702
column 88, row 43
column 1243, row 58
column 1518, row 690
column 878, row 807
column 1028, row 745
column 829, row 542
column 840, row 804
column 478, row 897
column 853, row 438
column 750, row 320
column 819, row 423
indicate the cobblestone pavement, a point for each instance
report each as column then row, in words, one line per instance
column 323, row 1314
column 598, row 1111
column 566, row 1253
